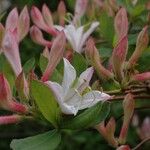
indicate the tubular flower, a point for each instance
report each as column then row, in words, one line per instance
column 76, row 36
column 72, row 95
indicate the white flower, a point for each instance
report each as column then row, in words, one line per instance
column 70, row 95
column 76, row 36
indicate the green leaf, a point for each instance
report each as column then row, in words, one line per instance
column 43, row 63
column 46, row 101
column 106, row 27
column 79, row 63
column 46, row 141
column 89, row 117
column 28, row 66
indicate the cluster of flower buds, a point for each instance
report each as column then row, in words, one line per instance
column 8, row 102
column 108, row 131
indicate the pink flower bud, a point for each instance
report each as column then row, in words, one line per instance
column 121, row 24
column 94, row 58
column 124, row 147
column 80, row 9
column 11, row 51
column 118, row 58
column 11, row 119
column 22, row 86
column 23, row 24
column 47, row 15
column 110, row 130
column 12, row 20
column 142, row 77
column 69, row 55
column 6, row 100
column 56, row 55
column 61, row 12
column 128, row 107
column 39, row 21
column 145, row 128
column 38, row 38
column 141, row 44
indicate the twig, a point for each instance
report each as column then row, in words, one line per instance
column 141, row 143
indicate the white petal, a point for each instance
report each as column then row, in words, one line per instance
column 69, row 76
column 70, row 32
column 78, row 37
column 91, row 98
column 57, row 89
column 59, row 28
column 93, row 26
column 84, row 79
column 68, row 109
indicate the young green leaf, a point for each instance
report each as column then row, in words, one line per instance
column 46, row 141
column 46, row 102
column 89, row 117
column 28, row 66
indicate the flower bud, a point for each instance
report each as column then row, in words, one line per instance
column 12, row 20
column 11, row 119
column 141, row 44
column 124, row 147
column 39, row 21
column 38, row 38
column 94, row 58
column 69, row 55
column 121, row 24
column 55, row 56
column 61, row 12
column 22, row 86
column 11, row 51
column 80, row 9
column 128, row 107
column 6, row 99
column 24, row 23
column 118, row 58
column 47, row 15
column 144, row 130
column 142, row 77
column 110, row 130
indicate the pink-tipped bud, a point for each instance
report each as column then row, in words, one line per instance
column 12, row 20
column 11, row 119
column 24, row 23
column 121, row 24
column 47, row 15
column 118, row 58
column 11, row 51
column 141, row 44
column 128, row 107
column 80, row 9
column 38, row 38
column 5, row 91
column 38, row 20
column 94, row 58
column 61, row 12
column 6, row 100
column 144, row 130
column 22, row 86
column 142, row 77
column 101, row 129
column 124, row 147
column 110, row 129
column 55, row 56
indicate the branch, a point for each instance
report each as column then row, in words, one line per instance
column 139, row 145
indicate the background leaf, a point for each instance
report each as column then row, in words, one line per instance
column 46, row 141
